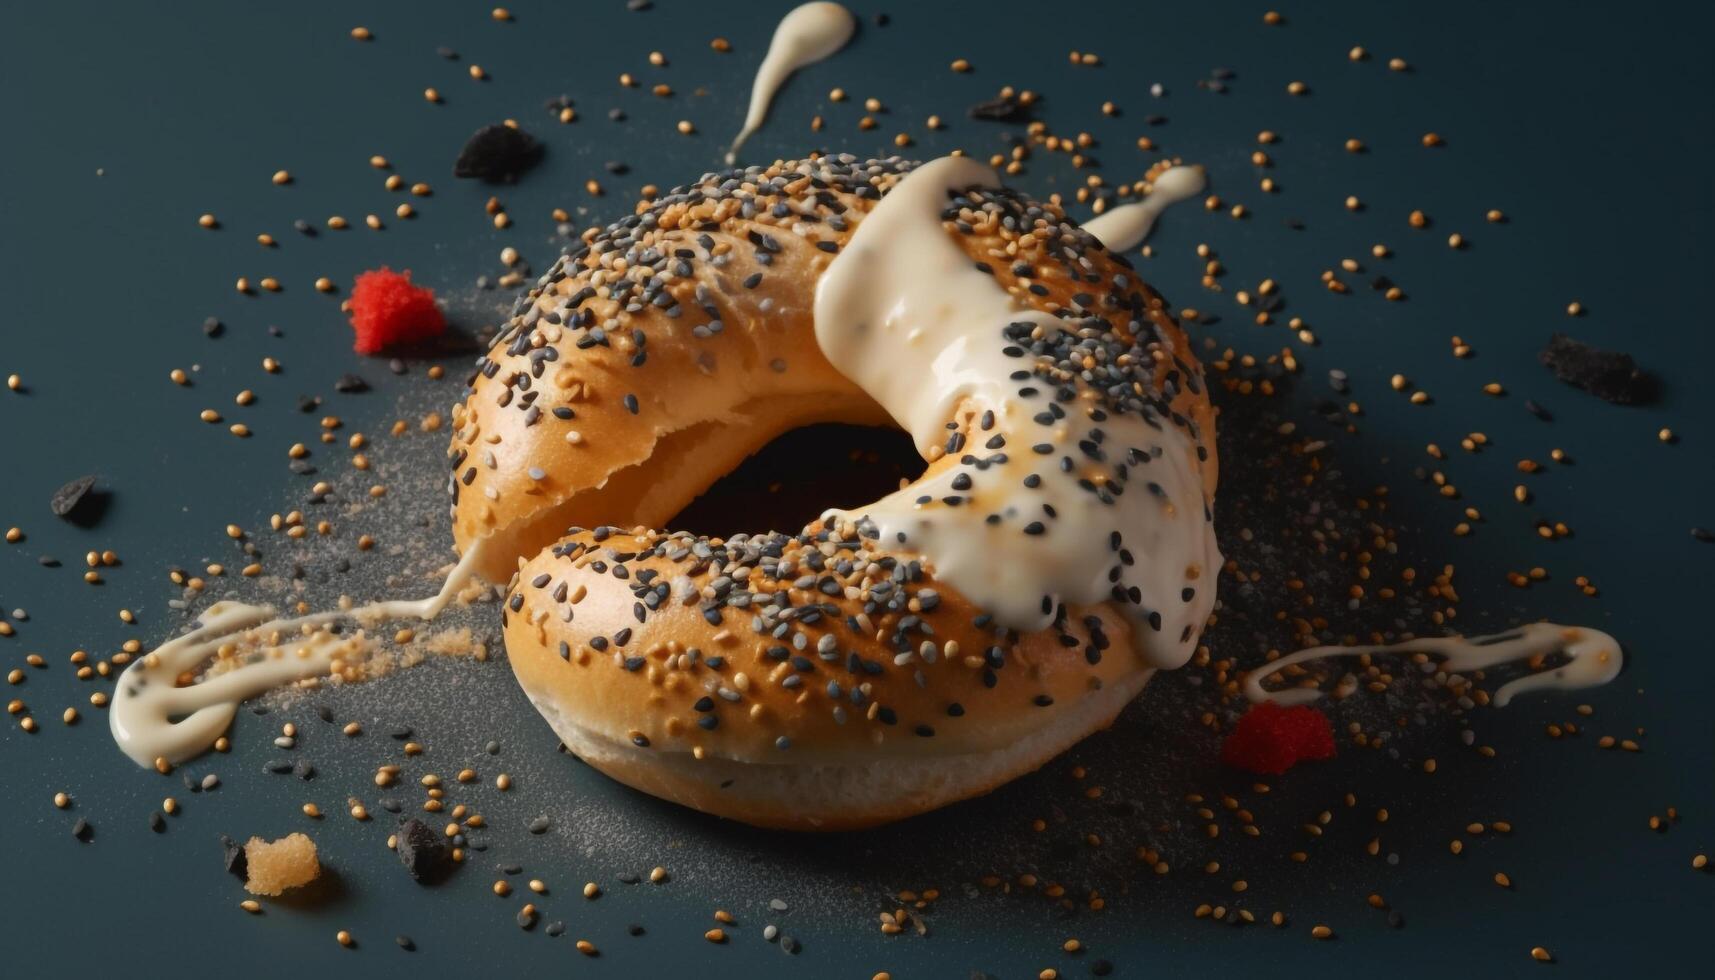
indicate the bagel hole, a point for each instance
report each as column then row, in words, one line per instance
column 789, row 482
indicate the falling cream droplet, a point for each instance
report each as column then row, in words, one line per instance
column 1125, row 227
column 805, row 36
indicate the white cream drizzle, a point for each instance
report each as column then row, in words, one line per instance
column 806, row 35
column 1592, row 658
column 1125, row 227
column 905, row 314
column 272, row 651
column 901, row 289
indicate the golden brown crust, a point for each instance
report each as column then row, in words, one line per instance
column 638, row 664
column 813, row 648
column 760, row 375
column 762, row 372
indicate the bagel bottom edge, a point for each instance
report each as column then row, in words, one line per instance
column 838, row 795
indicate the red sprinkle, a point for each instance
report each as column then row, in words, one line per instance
column 387, row 310
column 1270, row 739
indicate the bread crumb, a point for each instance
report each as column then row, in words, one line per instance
column 275, row 866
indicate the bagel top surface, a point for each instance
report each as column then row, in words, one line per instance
column 815, row 642
column 697, row 311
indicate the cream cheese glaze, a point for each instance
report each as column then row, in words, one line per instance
column 1592, row 658
column 153, row 718
column 902, row 288
column 806, row 35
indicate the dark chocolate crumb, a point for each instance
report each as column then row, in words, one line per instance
column 497, row 154
column 1003, row 108
column 234, row 859
column 67, row 499
column 1609, row 375
column 421, row 849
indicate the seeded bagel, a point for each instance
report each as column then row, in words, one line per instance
column 828, row 677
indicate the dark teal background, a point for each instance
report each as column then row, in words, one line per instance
column 1587, row 123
